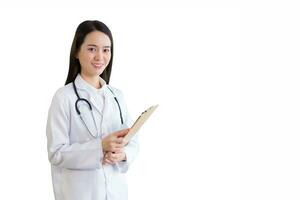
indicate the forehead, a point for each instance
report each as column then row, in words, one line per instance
column 97, row 38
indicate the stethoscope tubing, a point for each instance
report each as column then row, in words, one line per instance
column 90, row 107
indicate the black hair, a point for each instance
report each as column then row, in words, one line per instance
column 82, row 30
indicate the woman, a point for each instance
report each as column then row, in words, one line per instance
column 86, row 123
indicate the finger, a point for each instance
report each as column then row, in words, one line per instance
column 117, row 150
column 104, row 162
column 118, row 157
column 124, row 143
column 115, row 157
column 115, row 147
column 116, row 141
column 121, row 133
column 108, row 161
column 106, row 157
column 119, row 140
column 112, row 160
column 118, row 153
column 112, row 155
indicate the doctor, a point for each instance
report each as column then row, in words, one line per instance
column 86, row 122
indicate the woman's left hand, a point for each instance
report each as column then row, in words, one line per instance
column 113, row 158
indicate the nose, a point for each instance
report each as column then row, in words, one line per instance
column 99, row 55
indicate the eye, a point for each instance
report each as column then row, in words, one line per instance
column 106, row 50
column 92, row 49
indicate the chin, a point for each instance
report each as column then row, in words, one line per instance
column 100, row 72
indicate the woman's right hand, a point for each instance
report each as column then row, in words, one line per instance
column 114, row 142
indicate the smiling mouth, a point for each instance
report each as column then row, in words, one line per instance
column 98, row 66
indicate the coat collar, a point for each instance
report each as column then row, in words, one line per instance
column 91, row 91
column 82, row 84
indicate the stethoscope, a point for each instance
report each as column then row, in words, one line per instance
column 91, row 110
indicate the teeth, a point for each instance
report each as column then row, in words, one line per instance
column 97, row 65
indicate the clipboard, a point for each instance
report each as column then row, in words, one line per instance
column 139, row 123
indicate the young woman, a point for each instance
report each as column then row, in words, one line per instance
column 86, row 123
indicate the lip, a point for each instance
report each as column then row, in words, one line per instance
column 97, row 65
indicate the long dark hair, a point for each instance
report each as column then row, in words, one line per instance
column 82, row 30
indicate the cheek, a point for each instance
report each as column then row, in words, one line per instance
column 108, row 58
column 85, row 60
column 89, row 57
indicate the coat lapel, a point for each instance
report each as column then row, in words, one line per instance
column 88, row 92
column 109, row 110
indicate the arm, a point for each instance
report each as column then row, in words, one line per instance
column 132, row 148
column 131, row 151
column 61, row 153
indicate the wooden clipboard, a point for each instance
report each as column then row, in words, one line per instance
column 139, row 123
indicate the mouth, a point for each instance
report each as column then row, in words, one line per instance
column 97, row 65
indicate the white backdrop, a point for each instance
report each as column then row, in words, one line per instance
column 225, row 76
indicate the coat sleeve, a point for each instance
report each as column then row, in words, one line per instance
column 61, row 153
column 132, row 148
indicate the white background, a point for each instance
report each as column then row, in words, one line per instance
column 226, row 76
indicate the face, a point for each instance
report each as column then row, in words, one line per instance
column 94, row 53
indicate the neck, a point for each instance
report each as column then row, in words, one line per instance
column 92, row 80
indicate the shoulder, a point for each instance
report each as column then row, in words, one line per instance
column 63, row 94
column 116, row 91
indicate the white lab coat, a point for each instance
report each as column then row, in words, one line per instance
column 76, row 156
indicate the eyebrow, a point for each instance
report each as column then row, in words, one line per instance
column 97, row 46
